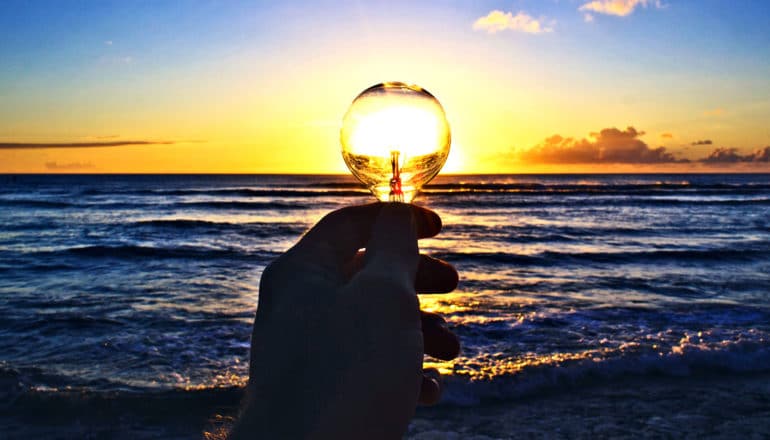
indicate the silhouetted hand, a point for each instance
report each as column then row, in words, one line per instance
column 339, row 338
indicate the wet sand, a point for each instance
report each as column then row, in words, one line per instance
column 665, row 407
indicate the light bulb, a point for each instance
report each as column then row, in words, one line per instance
column 395, row 139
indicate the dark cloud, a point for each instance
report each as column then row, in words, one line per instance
column 29, row 146
column 723, row 155
column 703, row 142
column 667, row 135
column 731, row 155
column 610, row 145
column 68, row 166
column 762, row 155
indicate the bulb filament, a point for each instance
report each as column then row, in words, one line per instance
column 396, row 195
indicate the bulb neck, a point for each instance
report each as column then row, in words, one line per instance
column 396, row 194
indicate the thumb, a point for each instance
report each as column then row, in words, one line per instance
column 392, row 250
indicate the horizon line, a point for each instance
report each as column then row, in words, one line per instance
column 351, row 176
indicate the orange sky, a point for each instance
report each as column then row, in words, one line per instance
column 263, row 89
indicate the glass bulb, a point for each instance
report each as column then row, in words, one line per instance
column 395, row 139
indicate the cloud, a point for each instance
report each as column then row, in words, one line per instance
column 30, row 146
column 731, row 155
column 624, row 147
column 588, row 18
column 620, row 8
column 497, row 21
column 68, row 166
column 714, row 112
column 666, row 135
column 108, row 42
column 610, row 145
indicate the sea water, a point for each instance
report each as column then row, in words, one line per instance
column 144, row 284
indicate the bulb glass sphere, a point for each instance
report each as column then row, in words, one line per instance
column 395, row 138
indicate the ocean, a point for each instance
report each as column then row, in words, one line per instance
column 143, row 288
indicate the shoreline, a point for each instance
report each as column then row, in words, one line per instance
column 698, row 406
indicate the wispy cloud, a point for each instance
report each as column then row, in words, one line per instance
column 29, row 146
column 666, row 135
column 703, row 142
column 55, row 166
column 620, row 8
column 609, row 145
column 497, row 21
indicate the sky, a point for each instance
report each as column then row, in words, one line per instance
column 261, row 87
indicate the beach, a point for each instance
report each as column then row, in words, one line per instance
column 710, row 406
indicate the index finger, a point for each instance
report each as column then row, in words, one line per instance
column 392, row 250
column 340, row 234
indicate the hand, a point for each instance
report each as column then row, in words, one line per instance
column 339, row 338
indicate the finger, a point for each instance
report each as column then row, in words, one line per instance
column 354, row 265
column 391, row 252
column 438, row 340
column 340, row 234
column 435, row 276
column 430, row 388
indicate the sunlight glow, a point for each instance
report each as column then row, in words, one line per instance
column 406, row 129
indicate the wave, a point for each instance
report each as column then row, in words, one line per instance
column 334, row 184
column 35, row 267
column 35, row 225
column 545, row 189
column 181, row 223
column 744, row 356
column 232, row 192
column 181, row 252
column 563, row 232
column 55, row 323
column 760, row 252
column 592, row 186
column 256, row 206
column 85, row 204
column 35, row 387
column 356, row 190
column 545, row 202
column 17, row 203
column 253, row 229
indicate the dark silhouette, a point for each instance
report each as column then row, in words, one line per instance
column 339, row 338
